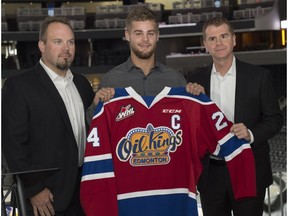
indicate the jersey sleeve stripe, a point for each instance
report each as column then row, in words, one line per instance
column 98, row 164
column 98, row 157
column 97, row 176
column 153, row 193
column 192, row 195
column 226, row 138
column 98, row 167
column 237, row 152
column 217, row 150
column 232, row 147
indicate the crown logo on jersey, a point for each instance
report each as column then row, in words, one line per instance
column 148, row 146
column 125, row 112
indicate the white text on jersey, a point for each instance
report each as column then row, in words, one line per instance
column 171, row 111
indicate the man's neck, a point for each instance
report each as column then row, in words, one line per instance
column 59, row 72
column 223, row 65
column 144, row 64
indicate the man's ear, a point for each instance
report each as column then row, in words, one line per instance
column 158, row 35
column 127, row 35
column 41, row 46
column 234, row 40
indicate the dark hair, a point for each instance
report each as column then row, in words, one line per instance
column 217, row 21
column 47, row 21
column 141, row 13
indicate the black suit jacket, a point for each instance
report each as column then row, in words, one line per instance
column 257, row 107
column 37, row 133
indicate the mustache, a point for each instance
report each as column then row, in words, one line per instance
column 66, row 54
column 145, row 44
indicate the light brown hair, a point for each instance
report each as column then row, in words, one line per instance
column 141, row 13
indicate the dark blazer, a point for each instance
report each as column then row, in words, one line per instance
column 37, row 134
column 257, row 107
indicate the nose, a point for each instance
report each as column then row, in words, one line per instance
column 65, row 46
column 145, row 37
column 219, row 40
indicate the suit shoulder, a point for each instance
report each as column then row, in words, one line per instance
column 169, row 70
column 26, row 75
column 80, row 77
column 252, row 67
column 198, row 74
column 117, row 69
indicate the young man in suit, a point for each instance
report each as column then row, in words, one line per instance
column 43, row 123
column 246, row 95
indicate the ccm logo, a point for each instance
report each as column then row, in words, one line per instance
column 171, row 111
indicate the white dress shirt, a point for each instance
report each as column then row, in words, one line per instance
column 74, row 106
column 223, row 91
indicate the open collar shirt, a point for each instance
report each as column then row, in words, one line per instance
column 73, row 104
column 127, row 74
column 223, row 91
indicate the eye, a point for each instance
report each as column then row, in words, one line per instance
column 71, row 43
column 211, row 39
column 57, row 42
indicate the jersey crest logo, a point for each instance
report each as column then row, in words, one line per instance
column 148, row 146
column 125, row 112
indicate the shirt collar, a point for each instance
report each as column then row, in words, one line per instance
column 231, row 71
column 53, row 75
column 131, row 65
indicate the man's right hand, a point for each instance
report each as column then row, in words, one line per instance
column 103, row 94
column 42, row 203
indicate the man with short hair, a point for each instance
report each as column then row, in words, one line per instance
column 43, row 124
column 246, row 95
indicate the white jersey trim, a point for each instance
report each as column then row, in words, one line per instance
column 237, row 151
column 97, row 176
column 156, row 193
column 98, row 157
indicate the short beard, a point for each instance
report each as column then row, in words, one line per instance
column 142, row 55
column 63, row 66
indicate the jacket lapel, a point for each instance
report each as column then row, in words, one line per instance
column 241, row 89
column 55, row 96
column 207, row 80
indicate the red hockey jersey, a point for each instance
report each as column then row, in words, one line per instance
column 143, row 154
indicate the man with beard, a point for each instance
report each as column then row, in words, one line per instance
column 43, row 124
column 142, row 71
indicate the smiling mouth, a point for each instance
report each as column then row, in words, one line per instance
column 220, row 50
column 144, row 45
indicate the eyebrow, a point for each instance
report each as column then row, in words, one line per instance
column 138, row 30
column 220, row 35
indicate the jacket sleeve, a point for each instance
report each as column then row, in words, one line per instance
column 15, row 133
column 271, row 117
column 98, row 188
